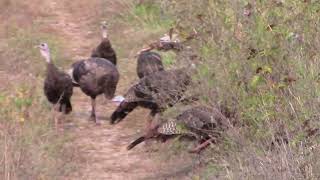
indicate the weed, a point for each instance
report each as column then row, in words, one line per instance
column 168, row 59
column 260, row 58
column 148, row 16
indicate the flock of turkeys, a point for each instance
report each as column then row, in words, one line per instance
column 157, row 90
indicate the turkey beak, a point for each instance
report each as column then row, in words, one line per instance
column 104, row 25
column 104, row 31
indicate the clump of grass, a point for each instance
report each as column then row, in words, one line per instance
column 147, row 15
column 261, row 68
column 31, row 148
column 168, row 59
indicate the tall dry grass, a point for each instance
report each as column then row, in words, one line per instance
column 258, row 62
column 30, row 148
column 259, row 58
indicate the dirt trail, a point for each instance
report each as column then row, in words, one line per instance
column 101, row 147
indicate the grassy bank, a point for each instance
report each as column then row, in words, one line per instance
column 259, row 63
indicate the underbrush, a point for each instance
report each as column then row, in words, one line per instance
column 257, row 61
column 146, row 16
column 30, row 146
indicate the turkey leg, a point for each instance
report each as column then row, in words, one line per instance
column 201, row 146
column 93, row 111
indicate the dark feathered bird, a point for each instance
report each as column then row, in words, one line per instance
column 200, row 122
column 155, row 92
column 104, row 49
column 58, row 84
column 96, row 76
column 148, row 63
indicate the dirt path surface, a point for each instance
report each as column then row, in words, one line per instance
column 102, row 148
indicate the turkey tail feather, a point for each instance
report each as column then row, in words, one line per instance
column 136, row 142
column 121, row 112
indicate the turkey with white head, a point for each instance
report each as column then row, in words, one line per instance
column 104, row 49
column 58, row 86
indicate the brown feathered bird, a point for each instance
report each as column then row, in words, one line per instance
column 104, row 49
column 58, row 84
column 200, row 122
column 95, row 76
column 156, row 92
column 148, row 63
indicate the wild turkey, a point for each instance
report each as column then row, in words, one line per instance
column 57, row 85
column 156, row 92
column 104, row 49
column 148, row 63
column 200, row 122
column 95, row 76
column 169, row 42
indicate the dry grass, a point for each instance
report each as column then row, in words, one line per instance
column 22, row 13
column 257, row 61
column 29, row 147
column 262, row 69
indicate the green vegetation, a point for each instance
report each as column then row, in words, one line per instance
column 22, row 48
column 148, row 16
column 30, row 147
column 168, row 59
column 260, row 59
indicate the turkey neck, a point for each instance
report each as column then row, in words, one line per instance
column 105, row 43
column 52, row 70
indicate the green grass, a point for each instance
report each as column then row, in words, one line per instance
column 244, row 64
column 148, row 16
column 30, row 146
column 21, row 46
column 247, row 61
column 168, row 59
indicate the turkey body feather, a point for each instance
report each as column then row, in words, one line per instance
column 58, row 88
column 96, row 76
column 197, row 122
column 105, row 50
column 148, row 63
column 156, row 92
